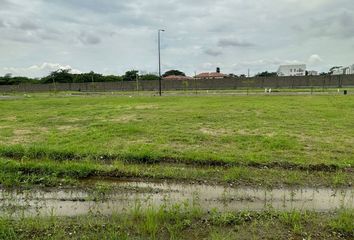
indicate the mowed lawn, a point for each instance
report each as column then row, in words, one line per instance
column 238, row 129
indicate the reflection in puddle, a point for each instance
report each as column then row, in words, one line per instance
column 79, row 202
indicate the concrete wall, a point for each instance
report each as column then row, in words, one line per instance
column 209, row 84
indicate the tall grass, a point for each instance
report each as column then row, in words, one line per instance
column 27, row 172
column 182, row 222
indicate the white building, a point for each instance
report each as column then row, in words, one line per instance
column 343, row 70
column 292, row 70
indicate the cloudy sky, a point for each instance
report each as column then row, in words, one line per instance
column 112, row 36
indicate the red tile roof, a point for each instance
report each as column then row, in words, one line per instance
column 174, row 77
column 211, row 75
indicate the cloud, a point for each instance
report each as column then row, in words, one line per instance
column 38, row 70
column 254, row 34
column 2, row 23
column 315, row 59
column 89, row 38
column 28, row 26
column 335, row 24
column 233, row 42
column 102, row 7
column 213, row 52
column 5, row 4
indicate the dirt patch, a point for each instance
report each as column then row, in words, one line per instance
column 20, row 136
column 22, row 132
column 214, row 132
column 73, row 120
column 124, row 119
column 254, row 132
column 146, row 107
column 66, row 128
column 10, row 118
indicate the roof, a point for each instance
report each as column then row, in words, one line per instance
column 211, row 75
column 291, row 66
column 175, row 77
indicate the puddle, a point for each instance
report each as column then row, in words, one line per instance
column 80, row 202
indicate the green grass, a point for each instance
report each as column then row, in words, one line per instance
column 49, row 173
column 182, row 221
column 343, row 222
column 307, row 140
column 56, row 139
column 301, row 129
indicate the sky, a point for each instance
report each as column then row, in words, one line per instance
column 114, row 36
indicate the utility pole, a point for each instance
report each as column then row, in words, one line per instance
column 54, row 84
column 159, row 50
column 195, row 82
column 93, row 85
column 137, row 83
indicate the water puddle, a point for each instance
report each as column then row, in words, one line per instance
column 128, row 194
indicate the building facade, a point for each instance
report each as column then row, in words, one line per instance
column 343, row 70
column 292, row 70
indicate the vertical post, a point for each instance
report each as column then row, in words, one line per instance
column 159, row 52
column 248, row 81
column 137, row 83
column 195, row 83
column 55, row 87
column 159, row 45
column 92, row 81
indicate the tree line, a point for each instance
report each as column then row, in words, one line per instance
column 65, row 76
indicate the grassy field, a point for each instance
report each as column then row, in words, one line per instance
column 52, row 140
column 273, row 133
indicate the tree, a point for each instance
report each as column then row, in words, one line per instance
column 173, row 73
column 8, row 79
column 60, row 76
column 323, row 74
column 88, row 77
column 8, row 75
column 149, row 77
column 266, row 74
column 112, row 78
column 232, row 75
column 131, row 75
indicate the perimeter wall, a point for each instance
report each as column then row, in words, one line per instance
column 209, row 84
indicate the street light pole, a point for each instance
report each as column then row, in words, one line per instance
column 159, row 49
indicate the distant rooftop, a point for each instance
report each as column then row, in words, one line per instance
column 211, row 75
column 175, row 77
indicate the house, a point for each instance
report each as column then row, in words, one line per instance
column 211, row 75
column 292, row 70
